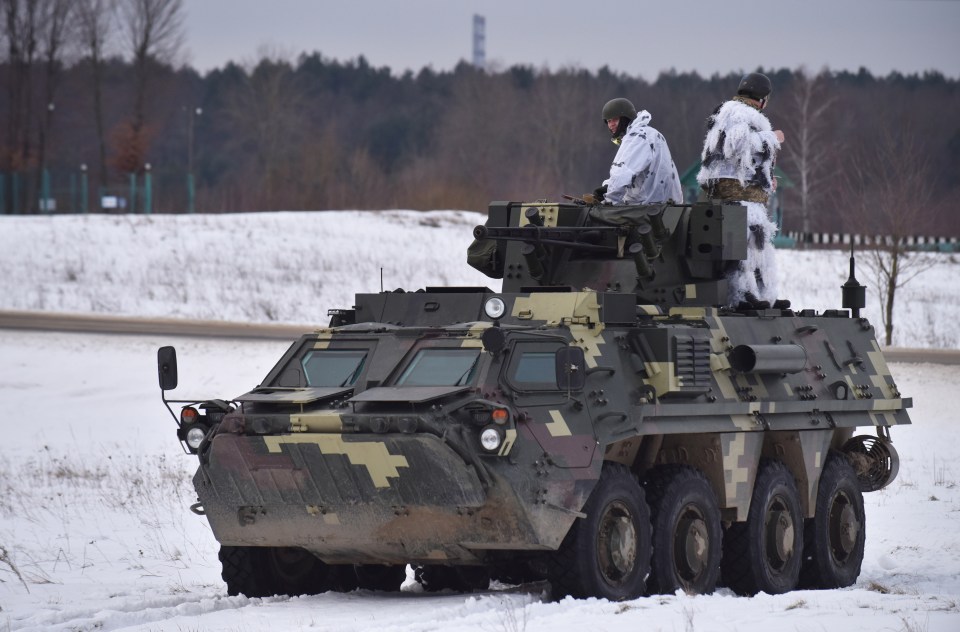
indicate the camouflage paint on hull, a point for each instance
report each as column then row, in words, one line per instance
column 372, row 471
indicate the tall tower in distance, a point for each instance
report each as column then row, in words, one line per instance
column 479, row 42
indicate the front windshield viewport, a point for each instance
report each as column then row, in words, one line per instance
column 329, row 367
column 441, row 367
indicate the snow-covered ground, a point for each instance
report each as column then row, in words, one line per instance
column 95, row 533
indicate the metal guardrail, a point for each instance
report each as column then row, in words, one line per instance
column 95, row 323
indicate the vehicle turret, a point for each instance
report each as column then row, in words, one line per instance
column 667, row 255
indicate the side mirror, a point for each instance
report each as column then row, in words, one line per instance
column 167, row 368
column 571, row 369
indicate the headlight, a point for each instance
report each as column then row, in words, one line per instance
column 494, row 307
column 188, row 415
column 490, row 439
column 194, row 436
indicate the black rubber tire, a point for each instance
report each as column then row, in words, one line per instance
column 386, row 578
column 752, row 560
column 257, row 571
column 434, row 578
column 687, row 531
column 607, row 553
column 834, row 538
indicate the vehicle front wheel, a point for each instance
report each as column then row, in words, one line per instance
column 606, row 554
column 763, row 554
column 261, row 571
column 687, row 533
column 834, row 538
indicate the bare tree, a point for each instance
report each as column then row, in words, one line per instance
column 564, row 117
column 20, row 33
column 95, row 23
column 807, row 146
column 154, row 33
column 889, row 194
column 264, row 116
column 55, row 37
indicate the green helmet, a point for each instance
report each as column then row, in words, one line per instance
column 615, row 108
column 755, row 86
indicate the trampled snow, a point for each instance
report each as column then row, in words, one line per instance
column 94, row 490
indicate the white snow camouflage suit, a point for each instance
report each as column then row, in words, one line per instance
column 642, row 171
column 740, row 145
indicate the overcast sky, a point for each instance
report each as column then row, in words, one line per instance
column 631, row 36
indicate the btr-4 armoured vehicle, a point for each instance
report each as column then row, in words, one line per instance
column 602, row 422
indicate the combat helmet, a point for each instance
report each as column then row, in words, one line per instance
column 622, row 109
column 755, row 86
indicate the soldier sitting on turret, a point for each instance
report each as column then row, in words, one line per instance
column 642, row 171
column 738, row 156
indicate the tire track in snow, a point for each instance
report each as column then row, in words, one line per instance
column 133, row 612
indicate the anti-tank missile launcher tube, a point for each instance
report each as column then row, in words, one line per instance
column 768, row 358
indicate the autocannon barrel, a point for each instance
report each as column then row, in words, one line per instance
column 768, row 358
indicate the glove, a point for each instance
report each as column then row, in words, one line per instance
column 599, row 192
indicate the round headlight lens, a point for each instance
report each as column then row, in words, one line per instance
column 195, row 436
column 490, row 439
column 494, row 307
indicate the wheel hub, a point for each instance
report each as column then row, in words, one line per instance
column 780, row 535
column 693, row 545
column 844, row 528
column 618, row 543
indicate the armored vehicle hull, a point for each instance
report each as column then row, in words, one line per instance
column 601, row 422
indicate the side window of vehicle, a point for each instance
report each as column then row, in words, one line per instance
column 533, row 368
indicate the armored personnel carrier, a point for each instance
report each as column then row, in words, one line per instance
column 602, row 422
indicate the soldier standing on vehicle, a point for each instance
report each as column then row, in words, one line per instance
column 739, row 153
column 642, row 171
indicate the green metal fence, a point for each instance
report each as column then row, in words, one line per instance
column 50, row 192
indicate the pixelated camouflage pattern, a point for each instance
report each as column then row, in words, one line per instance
column 373, row 473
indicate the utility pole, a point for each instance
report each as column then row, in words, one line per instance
column 147, row 189
column 191, row 188
column 83, row 188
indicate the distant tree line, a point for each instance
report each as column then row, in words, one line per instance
column 94, row 83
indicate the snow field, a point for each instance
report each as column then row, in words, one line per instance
column 291, row 267
column 95, row 530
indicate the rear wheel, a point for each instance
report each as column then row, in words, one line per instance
column 686, row 530
column 607, row 553
column 257, row 571
column 834, row 538
column 763, row 554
